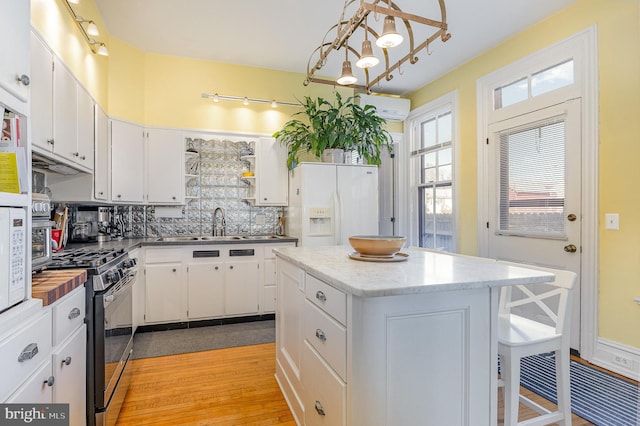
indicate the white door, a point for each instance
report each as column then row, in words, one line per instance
column 357, row 202
column 534, row 192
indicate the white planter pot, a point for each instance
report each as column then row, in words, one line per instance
column 333, row 156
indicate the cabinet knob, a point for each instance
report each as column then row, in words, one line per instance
column 320, row 296
column 51, row 141
column 76, row 154
column 216, row 268
column 66, row 361
column 100, row 193
column 173, row 198
column 265, row 198
column 23, row 79
column 320, row 335
column 174, row 269
column 231, row 267
column 119, row 196
column 319, row 408
column 83, row 157
column 50, row 381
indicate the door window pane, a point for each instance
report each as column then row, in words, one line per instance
column 532, row 180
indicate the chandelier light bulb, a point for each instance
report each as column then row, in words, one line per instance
column 347, row 77
column 389, row 37
column 367, row 60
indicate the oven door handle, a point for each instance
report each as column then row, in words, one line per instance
column 120, row 289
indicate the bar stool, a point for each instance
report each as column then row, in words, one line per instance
column 519, row 337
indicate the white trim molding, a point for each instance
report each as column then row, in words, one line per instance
column 582, row 47
column 621, row 359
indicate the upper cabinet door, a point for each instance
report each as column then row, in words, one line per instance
column 85, row 131
column 271, row 173
column 65, row 112
column 101, row 164
column 165, row 166
column 127, row 162
column 14, row 54
column 41, row 95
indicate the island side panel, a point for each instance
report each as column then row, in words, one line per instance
column 423, row 359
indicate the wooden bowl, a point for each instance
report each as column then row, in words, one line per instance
column 376, row 245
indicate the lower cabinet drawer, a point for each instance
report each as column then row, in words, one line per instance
column 68, row 314
column 23, row 352
column 324, row 392
column 327, row 336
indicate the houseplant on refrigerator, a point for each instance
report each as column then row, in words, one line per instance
column 341, row 125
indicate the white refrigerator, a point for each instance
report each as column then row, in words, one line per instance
column 328, row 203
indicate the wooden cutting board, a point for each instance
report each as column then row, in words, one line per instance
column 50, row 286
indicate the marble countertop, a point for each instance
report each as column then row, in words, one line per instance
column 422, row 272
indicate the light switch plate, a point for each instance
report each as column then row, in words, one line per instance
column 612, row 221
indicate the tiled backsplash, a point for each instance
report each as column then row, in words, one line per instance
column 218, row 184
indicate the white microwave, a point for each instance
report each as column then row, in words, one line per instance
column 13, row 256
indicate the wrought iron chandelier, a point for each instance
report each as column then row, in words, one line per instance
column 357, row 28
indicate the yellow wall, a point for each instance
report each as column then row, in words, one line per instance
column 618, row 28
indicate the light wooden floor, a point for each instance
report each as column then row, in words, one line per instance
column 234, row 386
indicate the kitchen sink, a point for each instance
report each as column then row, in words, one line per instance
column 221, row 237
column 202, row 238
column 261, row 237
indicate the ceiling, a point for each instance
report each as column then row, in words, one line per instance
column 282, row 34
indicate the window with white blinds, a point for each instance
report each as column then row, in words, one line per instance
column 532, row 179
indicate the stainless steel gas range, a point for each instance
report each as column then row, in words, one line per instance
column 111, row 274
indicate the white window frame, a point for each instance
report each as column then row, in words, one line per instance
column 582, row 47
column 408, row 182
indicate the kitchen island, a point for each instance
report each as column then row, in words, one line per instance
column 389, row 343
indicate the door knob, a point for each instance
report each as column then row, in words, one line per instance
column 570, row 248
column 572, row 217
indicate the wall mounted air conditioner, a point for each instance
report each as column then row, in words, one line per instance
column 389, row 108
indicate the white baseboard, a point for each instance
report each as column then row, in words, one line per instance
column 621, row 359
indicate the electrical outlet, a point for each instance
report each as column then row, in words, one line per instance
column 620, row 360
column 259, row 219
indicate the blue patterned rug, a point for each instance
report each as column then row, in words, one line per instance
column 596, row 396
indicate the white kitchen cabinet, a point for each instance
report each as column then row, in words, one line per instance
column 272, row 177
column 241, row 288
column 163, row 292
column 62, row 112
column 269, row 277
column 70, row 372
column 269, row 184
column 127, row 162
column 61, row 337
column 41, row 95
column 85, row 148
column 102, row 171
column 164, row 166
column 14, row 55
column 65, row 111
column 205, row 286
column 289, row 340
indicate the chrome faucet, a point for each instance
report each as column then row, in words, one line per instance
column 223, row 230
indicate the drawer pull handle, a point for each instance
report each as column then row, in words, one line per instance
column 74, row 313
column 320, row 408
column 66, row 361
column 320, row 296
column 50, row 381
column 320, row 335
column 28, row 352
